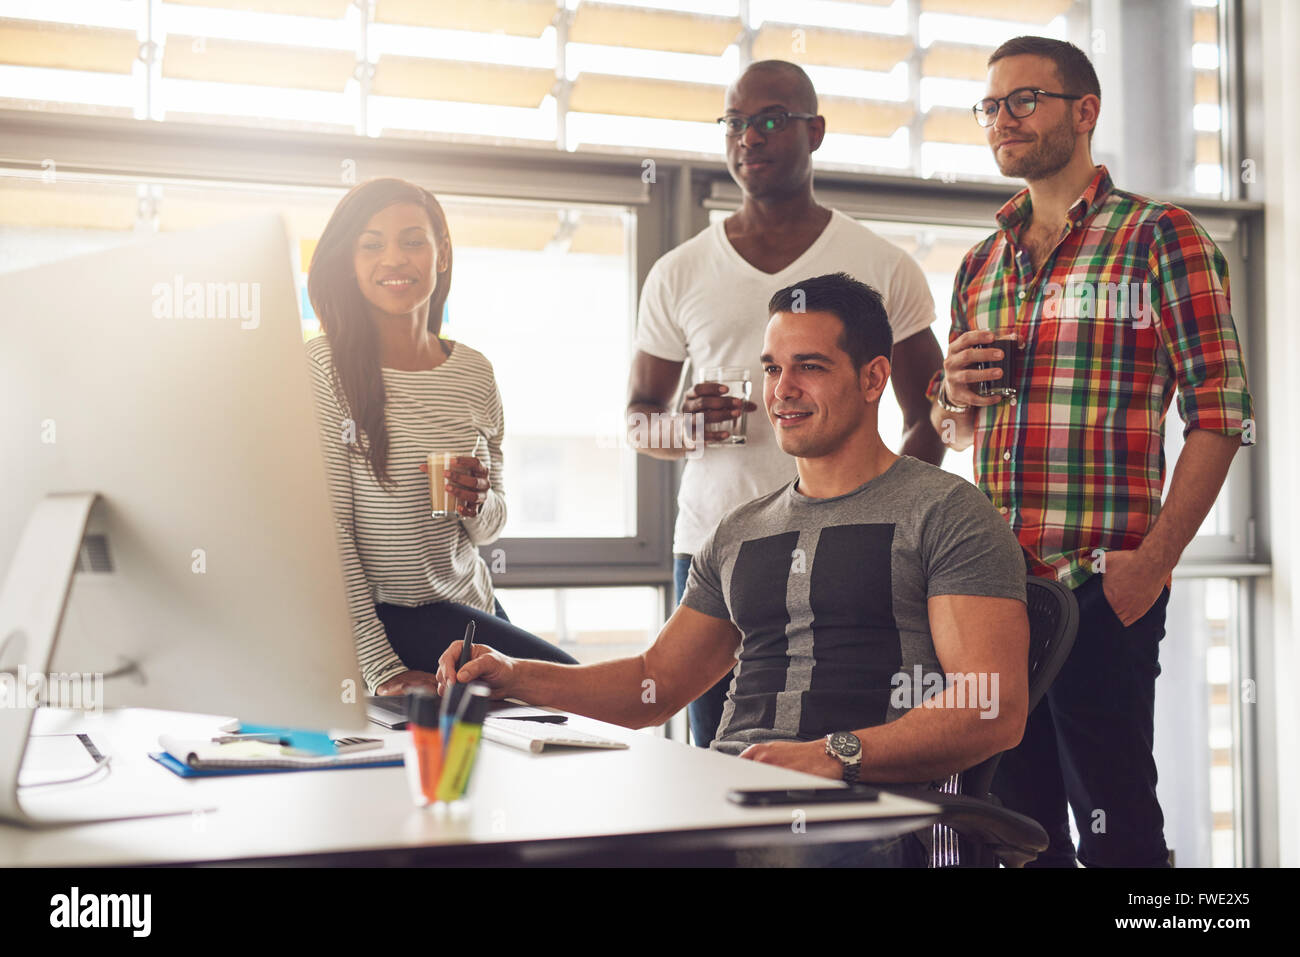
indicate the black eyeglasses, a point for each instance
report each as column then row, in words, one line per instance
column 771, row 122
column 1020, row 103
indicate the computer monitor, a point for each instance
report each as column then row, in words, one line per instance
column 169, row 378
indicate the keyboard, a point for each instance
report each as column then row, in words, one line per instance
column 535, row 737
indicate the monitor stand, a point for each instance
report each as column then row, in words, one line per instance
column 32, row 601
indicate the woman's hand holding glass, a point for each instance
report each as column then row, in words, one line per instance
column 467, row 480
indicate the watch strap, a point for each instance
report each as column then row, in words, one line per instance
column 851, row 768
column 942, row 398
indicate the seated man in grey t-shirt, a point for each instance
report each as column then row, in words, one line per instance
column 838, row 603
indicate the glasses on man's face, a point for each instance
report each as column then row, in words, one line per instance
column 1020, row 103
column 771, row 121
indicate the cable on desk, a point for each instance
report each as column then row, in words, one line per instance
column 100, row 765
column 102, row 762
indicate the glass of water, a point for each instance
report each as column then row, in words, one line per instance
column 736, row 379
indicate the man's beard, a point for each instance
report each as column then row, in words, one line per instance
column 1048, row 155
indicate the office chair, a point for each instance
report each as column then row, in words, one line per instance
column 974, row 829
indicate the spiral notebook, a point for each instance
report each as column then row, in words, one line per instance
column 197, row 758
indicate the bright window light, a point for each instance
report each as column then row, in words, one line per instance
column 720, row 8
column 940, row 91
column 885, row 152
column 125, row 14
column 840, row 16
column 963, row 161
column 657, row 64
column 69, row 86
column 869, row 84
column 955, row 28
column 475, row 119
column 1205, row 117
column 462, row 45
column 311, row 32
column 1208, row 178
column 238, row 99
column 598, row 129
column 1205, row 56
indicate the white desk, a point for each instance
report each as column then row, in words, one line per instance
column 657, row 798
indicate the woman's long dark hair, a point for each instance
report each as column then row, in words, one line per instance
column 344, row 312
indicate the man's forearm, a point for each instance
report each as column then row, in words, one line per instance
column 921, row 441
column 915, row 361
column 956, row 430
column 618, row 691
column 930, row 743
column 1198, row 477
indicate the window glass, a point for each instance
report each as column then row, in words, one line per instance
column 544, row 291
column 640, row 75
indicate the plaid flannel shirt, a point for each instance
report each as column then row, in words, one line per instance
column 1131, row 302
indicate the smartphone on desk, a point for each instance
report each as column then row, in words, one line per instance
column 777, row 796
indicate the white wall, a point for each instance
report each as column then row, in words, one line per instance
column 1280, row 177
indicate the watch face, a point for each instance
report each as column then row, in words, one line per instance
column 842, row 742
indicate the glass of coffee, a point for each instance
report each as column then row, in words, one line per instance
column 736, row 379
column 443, row 503
column 1006, row 385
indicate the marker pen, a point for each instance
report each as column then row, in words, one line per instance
column 424, row 760
column 451, row 700
column 464, row 745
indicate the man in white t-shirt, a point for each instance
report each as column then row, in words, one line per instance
column 706, row 301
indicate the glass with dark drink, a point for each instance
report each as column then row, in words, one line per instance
column 1006, row 385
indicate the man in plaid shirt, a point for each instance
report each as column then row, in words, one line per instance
column 1114, row 300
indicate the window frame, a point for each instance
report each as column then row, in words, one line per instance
column 670, row 209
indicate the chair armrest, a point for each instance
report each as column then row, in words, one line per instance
column 1014, row 838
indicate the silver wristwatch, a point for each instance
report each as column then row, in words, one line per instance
column 846, row 746
column 945, row 404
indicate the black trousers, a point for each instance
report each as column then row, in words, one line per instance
column 1088, row 743
column 420, row 635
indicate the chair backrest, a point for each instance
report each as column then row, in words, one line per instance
column 1053, row 622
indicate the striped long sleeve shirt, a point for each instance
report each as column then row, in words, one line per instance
column 1131, row 303
column 392, row 550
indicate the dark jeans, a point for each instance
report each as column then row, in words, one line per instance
column 1089, row 743
column 420, row 635
column 705, row 712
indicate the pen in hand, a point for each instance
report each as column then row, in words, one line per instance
column 466, row 646
column 451, row 699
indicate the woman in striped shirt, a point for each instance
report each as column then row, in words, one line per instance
column 389, row 391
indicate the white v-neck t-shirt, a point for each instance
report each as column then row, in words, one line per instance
column 705, row 303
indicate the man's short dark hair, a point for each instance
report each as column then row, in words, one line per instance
column 866, row 333
column 1072, row 64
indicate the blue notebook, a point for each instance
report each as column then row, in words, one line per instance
column 185, row 771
